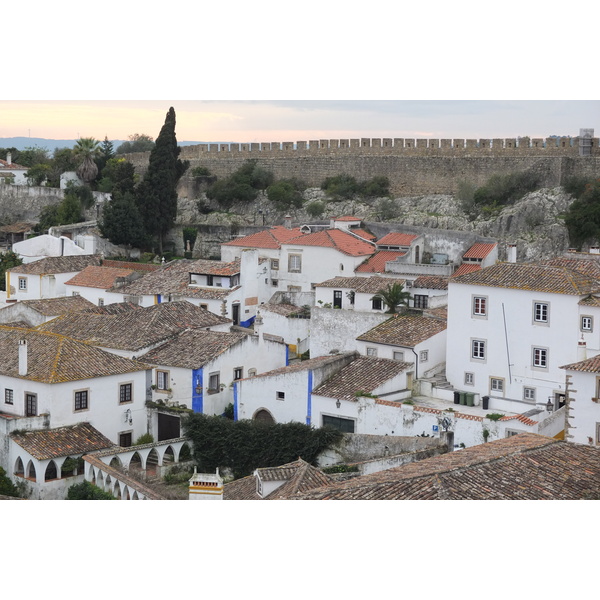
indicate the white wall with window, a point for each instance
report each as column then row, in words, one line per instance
column 584, row 413
column 515, row 336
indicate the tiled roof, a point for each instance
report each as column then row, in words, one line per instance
column 113, row 309
column 268, row 239
column 466, row 268
column 174, row 278
column 100, row 277
column 306, row 365
column 522, row 467
column 376, row 263
column 347, row 218
column 62, row 441
column 11, row 165
column 193, row 348
column 335, row 238
column 404, row 330
column 587, row 266
column 479, row 250
column 299, row 477
column 17, row 228
column 135, row 266
column 590, row 301
column 215, row 267
column 55, row 358
column 51, row 307
column 364, row 374
column 366, row 285
column 396, row 238
column 590, row 365
column 57, row 264
column 282, row 309
column 133, row 330
column 554, row 280
column 364, row 234
column 431, row 282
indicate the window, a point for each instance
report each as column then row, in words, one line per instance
column 204, row 306
column 540, row 312
column 424, row 355
column 162, row 380
column 274, row 282
column 75, row 294
column 597, row 433
column 420, row 301
column 371, row 351
column 210, row 280
column 275, row 264
column 469, row 379
column 280, row 395
column 399, row 356
column 125, row 439
column 9, row 396
column 81, row 400
column 30, row 405
column 540, row 358
column 377, row 303
column 100, row 301
column 23, row 283
column 478, row 349
column 238, row 373
column 125, row 395
column 345, row 425
column 496, row 384
column 480, row 306
column 295, row 263
column 529, row 394
column 586, row 323
column 214, row 382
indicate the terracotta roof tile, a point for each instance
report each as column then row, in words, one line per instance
column 365, row 285
column 100, row 277
column 364, row 234
column 52, row 307
column 376, row 263
column 57, row 264
column 587, row 266
column 404, row 330
column 521, row 467
column 335, row 238
column 71, row 440
column 541, row 278
column 396, row 238
column 431, row 282
column 306, row 365
column 479, row 250
column 268, row 239
column 590, row 365
column 466, row 268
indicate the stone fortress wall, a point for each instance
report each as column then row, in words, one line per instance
column 413, row 166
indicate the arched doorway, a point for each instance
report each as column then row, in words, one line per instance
column 152, row 462
column 31, row 474
column 263, row 416
column 51, row 471
column 19, row 468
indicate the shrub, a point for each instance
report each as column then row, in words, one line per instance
column 576, row 185
column 7, row 487
column 87, row 491
column 375, row 187
column 501, row 190
column 145, row 438
column 286, row 194
column 583, row 217
column 315, row 209
column 387, row 209
column 494, row 416
column 340, row 187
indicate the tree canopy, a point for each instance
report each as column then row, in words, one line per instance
column 393, row 296
column 138, row 142
column 85, row 152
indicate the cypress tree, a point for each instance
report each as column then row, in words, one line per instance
column 156, row 195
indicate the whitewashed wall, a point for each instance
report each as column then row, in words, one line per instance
column 584, row 414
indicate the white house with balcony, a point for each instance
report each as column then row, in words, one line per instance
column 512, row 326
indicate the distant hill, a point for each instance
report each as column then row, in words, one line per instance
column 20, row 143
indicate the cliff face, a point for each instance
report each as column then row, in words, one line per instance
column 534, row 223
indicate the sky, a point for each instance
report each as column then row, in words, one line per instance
column 247, row 121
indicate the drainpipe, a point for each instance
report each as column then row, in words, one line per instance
column 416, row 363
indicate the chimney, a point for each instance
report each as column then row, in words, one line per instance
column 511, row 252
column 581, row 350
column 287, row 222
column 9, row 158
column 205, row 486
column 22, row 357
column 258, row 322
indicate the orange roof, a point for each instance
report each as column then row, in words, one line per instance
column 364, row 234
column 376, row 264
column 347, row 219
column 335, row 238
column 98, row 277
column 397, row 239
column 269, row 238
column 466, row 268
column 479, row 250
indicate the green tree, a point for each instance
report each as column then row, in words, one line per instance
column 375, row 187
column 7, row 261
column 85, row 152
column 340, row 187
column 138, row 142
column 87, row 491
column 286, row 194
column 32, row 155
column 7, row 487
column 583, row 217
column 38, row 174
column 69, row 210
column 157, row 193
column 393, row 296
column 121, row 222
column 118, row 176
column 106, row 153
column 48, row 218
column 62, row 161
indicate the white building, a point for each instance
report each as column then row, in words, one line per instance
column 11, row 172
column 512, row 326
column 35, row 312
column 45, row 278
column 43, row 246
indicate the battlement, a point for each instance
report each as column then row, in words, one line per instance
column 552, row 146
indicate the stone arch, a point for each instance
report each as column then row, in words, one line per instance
column 169, row 455
column 116, row 491
column 19, row 468
column 100, row 476
column 152, row 461
column 68, row 466
column 263, row 415
column 51, row 471
column 30, row 472
column 116, row 463
column 135, row 462
column 185, row 452
column 135, row 496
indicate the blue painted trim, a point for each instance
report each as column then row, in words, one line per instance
column 197, row 399
column 247, row 323
column 158, row 298
column 287, row 355
column 309, row 398
column 235, row 400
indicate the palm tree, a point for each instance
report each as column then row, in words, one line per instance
column 393, row 296
column 84, row 152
